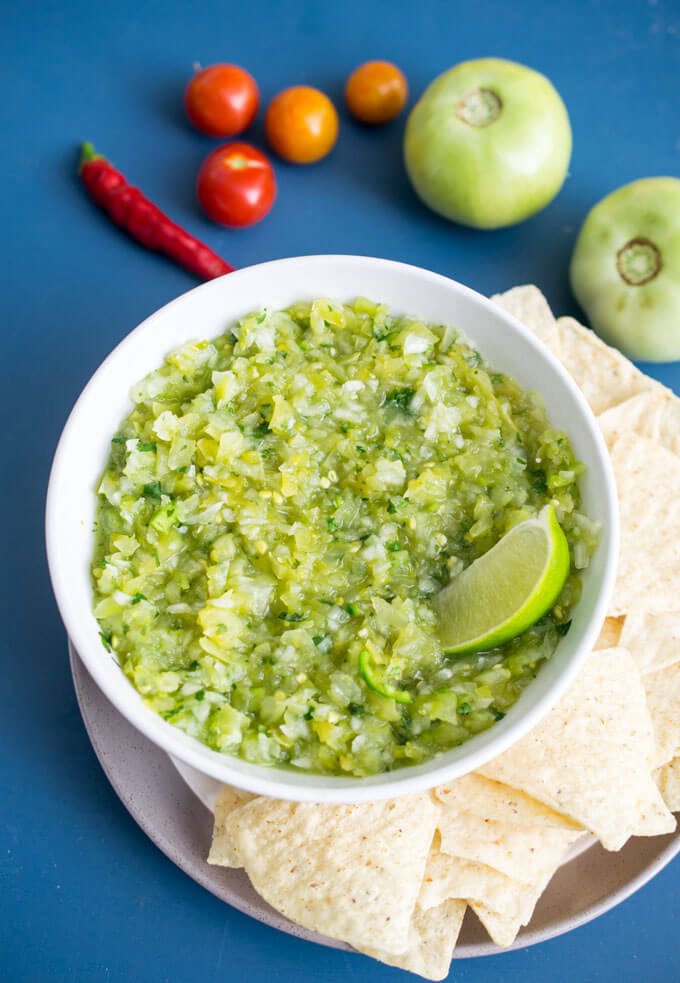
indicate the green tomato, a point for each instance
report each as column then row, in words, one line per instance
column 488, row 144
column 625, row 270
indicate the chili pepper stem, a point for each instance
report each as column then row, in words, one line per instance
column 88, row 154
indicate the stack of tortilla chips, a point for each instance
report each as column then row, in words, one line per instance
column 394, row 879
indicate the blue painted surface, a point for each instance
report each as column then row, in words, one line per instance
column 84, row 896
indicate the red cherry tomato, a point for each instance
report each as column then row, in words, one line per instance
column 222, row 100
column 236, row 185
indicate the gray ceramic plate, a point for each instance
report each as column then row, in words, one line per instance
column 171, row 814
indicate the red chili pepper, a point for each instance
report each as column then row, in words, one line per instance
column 146, row 223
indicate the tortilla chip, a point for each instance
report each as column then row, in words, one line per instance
column 449, row 877
column 589, row 758
column 503, row 926
column 452, row 877
column 222, row 850
column 352, row 872
column 530, row 307
column 491, row 800
column 663, row 699
column 647, row 479
column 502, row 929
column 610, row 633
column 603, row 374
column 654, row 414
column 668, row 780
column 519, row 852
column 432, row 937
column 652, row 639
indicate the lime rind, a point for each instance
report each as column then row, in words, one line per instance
column 506, row 590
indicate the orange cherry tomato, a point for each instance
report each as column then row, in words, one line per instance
column 376, row 92
column 222, row 100
column 236, row 185
column 302, row 124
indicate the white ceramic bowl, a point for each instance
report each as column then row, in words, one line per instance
column 206, row 312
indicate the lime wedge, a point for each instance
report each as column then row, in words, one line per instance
column 506, row 590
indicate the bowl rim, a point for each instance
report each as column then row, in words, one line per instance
column 285, row 783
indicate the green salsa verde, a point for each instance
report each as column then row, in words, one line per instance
column 278, row 511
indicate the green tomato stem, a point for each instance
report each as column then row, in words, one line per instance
column 479, row 107
column 638, row 262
